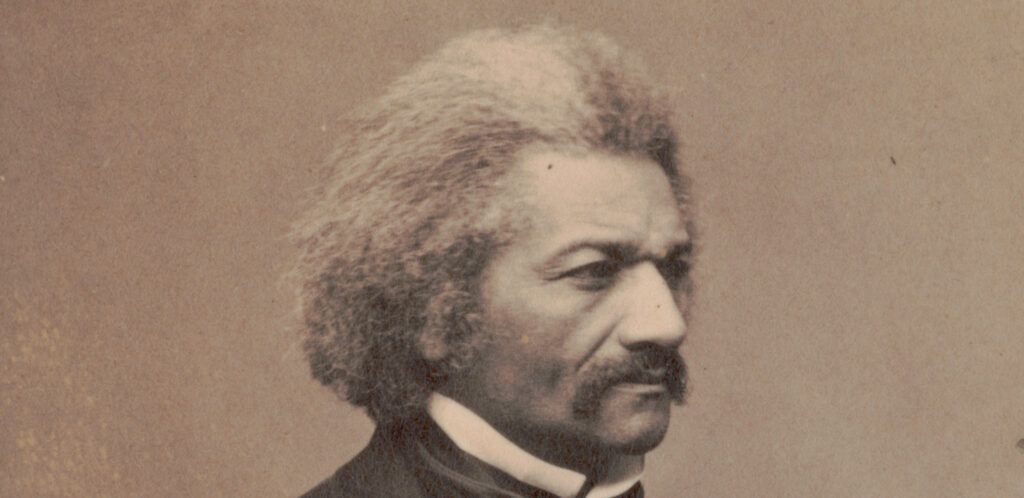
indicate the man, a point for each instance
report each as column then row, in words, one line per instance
column 497, row 270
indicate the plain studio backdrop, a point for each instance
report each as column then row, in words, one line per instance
column 859, row 172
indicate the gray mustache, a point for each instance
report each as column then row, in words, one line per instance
column 649, row 365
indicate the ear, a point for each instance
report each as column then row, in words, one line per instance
column 432, row 345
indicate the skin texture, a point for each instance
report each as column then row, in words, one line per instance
column 585, row 311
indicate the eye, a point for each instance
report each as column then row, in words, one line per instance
column 675, row 269
column 595, row 276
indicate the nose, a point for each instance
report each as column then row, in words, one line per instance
column 653, row 313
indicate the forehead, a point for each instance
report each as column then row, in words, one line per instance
column 588, row 194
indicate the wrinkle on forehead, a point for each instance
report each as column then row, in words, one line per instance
column 625, row 196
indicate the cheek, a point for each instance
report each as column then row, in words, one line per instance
column 531, row 375
column 592, row 334
column 535, row 345
column 527, row 367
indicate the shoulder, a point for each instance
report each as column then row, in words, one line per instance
column 380, row 470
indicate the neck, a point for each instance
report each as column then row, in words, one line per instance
column 560, row 447
column 597, row 463
column 550, row 463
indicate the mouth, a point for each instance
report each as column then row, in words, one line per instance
column 657, row 375
column 651, row 374
column 643, row 381
column 637, row 388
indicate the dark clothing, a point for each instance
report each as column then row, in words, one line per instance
column 417, row 460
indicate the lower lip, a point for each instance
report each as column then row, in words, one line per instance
column 640, row 388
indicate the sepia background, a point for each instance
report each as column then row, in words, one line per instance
column 859, row 173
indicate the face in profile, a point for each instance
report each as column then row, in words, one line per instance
column 585, row 307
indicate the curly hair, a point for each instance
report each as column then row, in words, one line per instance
column 414, row 207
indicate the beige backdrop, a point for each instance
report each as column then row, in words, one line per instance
column 860, row 176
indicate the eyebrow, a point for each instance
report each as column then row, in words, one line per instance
column 625, row 250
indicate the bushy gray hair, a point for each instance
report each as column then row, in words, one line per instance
column 405, row 224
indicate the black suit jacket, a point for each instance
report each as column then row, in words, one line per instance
column 417, row 460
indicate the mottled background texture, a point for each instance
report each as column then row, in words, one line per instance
column 860, row 179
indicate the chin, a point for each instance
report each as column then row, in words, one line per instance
column 646, row 439
column 636, row 433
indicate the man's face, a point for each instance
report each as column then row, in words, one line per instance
column 585, row 308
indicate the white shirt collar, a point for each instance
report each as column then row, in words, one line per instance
column 475, row 436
